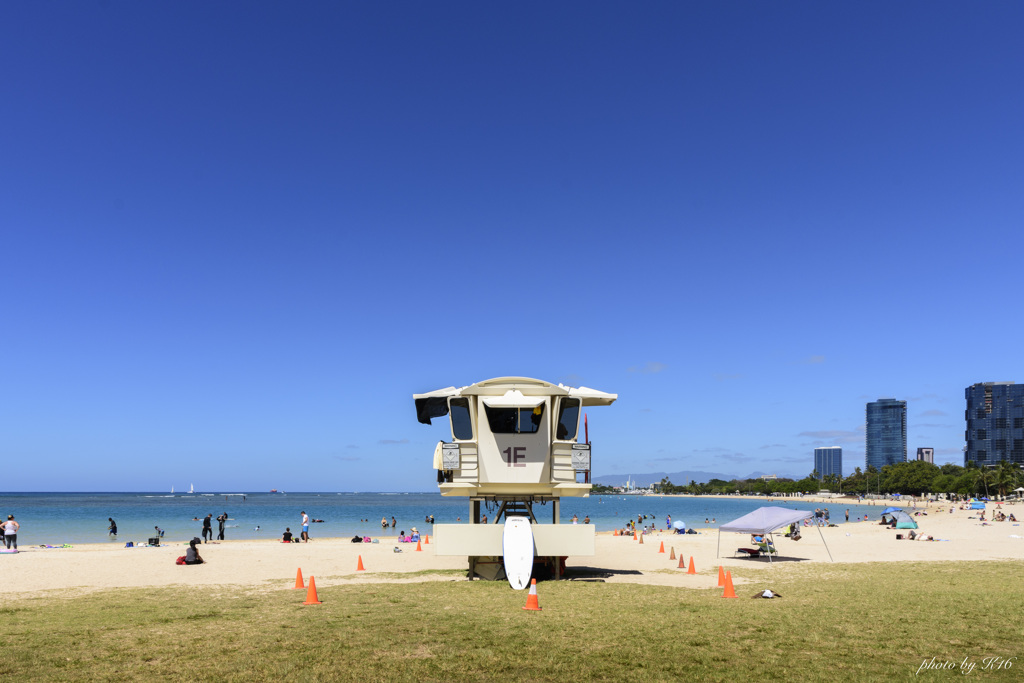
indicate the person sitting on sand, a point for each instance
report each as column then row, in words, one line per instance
column 1012, row 518
column 192, row 554
column 287, row 535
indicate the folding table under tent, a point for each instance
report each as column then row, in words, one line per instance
column 764, row 521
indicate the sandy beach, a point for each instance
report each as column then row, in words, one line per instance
column 272, row 565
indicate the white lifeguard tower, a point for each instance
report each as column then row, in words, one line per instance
column 515, row 444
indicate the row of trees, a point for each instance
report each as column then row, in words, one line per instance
column 909, row 478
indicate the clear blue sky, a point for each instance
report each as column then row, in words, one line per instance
column 237, row 237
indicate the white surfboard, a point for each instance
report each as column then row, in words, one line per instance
column 517, row 548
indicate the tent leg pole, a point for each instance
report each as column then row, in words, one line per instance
column 825, row 544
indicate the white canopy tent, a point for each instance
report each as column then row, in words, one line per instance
column 764, row 521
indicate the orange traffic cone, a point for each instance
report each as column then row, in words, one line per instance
column 311, row 598
column 298, row 579
column 531, row 599
column 426, row 539
column 662, row 548
column 634, row 535
column 419, row 548
column 616, row 533
column 682, row 562
column 721, row 577
column 641, row 539
column 673, row 555
column 691, row 570
column 729, row 591
column 360, row 568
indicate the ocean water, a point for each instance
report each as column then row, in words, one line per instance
column 58, row 518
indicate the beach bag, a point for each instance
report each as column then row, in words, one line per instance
column 180, row 560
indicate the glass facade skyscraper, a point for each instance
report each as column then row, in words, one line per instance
column 885, row 440
column 828, row 460
column 995, row 423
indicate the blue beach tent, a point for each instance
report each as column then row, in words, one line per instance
column 903, row 520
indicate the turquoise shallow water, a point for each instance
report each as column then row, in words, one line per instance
column 57, row 518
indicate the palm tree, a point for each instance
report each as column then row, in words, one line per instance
column 983, row 476
column 1005, row 476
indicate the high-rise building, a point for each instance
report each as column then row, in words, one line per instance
column 926, row 454
column 828, row 460
column 885, row 441
column 995, row 423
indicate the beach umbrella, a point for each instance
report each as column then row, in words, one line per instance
column 679, row 524
column 1019, row 489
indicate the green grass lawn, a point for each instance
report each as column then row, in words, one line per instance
column 835, row 622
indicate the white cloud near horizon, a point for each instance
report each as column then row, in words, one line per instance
column 833, row 436
column 734, row 457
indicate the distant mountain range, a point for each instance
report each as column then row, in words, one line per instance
column 644, row 479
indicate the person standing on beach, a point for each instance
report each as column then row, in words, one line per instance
column 10, row 532
column 305, row 527
column 208, row 528
column 221, row 519
column 112, row 529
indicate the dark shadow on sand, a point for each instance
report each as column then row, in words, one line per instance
column 775, row 560
column 596, row 573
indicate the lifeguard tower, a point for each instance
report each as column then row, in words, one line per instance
column 515, row 445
